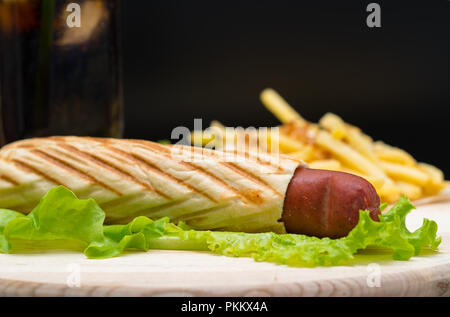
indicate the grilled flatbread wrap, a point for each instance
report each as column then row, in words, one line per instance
column 130, row 178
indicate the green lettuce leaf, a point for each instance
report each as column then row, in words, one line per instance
column 5, row 218
column 62, row 221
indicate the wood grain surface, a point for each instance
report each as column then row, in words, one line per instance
column 181, row 273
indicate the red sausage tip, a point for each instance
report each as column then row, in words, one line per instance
column 326, row 203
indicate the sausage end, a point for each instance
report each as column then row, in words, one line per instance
column 327, row 203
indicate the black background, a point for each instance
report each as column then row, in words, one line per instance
column 211, row 59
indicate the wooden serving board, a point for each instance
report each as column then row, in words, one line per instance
column 180, row 273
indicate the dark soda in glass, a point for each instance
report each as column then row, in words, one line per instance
column 59, row 69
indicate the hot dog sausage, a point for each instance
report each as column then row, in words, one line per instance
column 327, row 203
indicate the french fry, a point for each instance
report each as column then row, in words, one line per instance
column 211, row 137
column 306, row 154
column 252, row 139
column 333, row 123
column 411, row 191
column 201, row 138
column 218, row 125
column 336, row 145
column 279, row 107
column 392, row 154
column 330, row 164
column 436, row 183
column 349, row 156
column 361, row 144
column 437, row 176
column 389, row 193
column 409, row 174
column 353, row 136
column 338, row 134
column 289, row 145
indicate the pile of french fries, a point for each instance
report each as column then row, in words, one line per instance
column 333, row 144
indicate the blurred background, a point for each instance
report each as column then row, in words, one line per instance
column 211, row 59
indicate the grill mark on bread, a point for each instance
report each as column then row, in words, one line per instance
column 9, row 180
column 67, row 139
column 115, row 169
column 57, row 138
column 68, row 155
column 255, row 158
column 62, row 164
column 247, row 156
column 30, row 169
column 249, row 175
column 154, row 146
column 145, row 184
column 151, row 146
column 237, row 169
column 137, row 159
column 99, row 140
column 72, row 169
column 249, row 195
column 24, row 145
